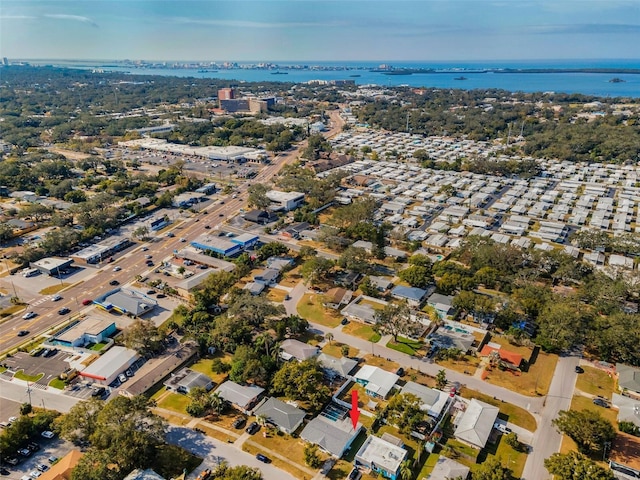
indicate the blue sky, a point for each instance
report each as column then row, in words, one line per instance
column 275, row 30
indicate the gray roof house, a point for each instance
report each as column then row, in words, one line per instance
column 186, row 380
column 284, row 416
column 433, row 401
column 443, row 338
column 445, row 468
column 337, row 366
column 291, row 348
column 413, row 295
column 628, row 378
column 476, row 423
column 242, row 397
column 441, row 303
column 268, row 276
column 382, row 284
column 334, row 437
column 628, row 408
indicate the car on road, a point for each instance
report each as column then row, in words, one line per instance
column 579, row 369
column 263, row 458
column 239, row 422
column 151, row 292
column 147, row 256
column 252, row 428
column 29, row 315
column 207, row 227
column 144, row 249
column 170, row 235
column 22, row 333
column 600, row 402
column 87, row 301
column 502, row 428
column 161, row 295
column 183, row 240
column 221, row 214
column 63, row 311
column 114, row 282
column 56, row 298
column 122, row 377
column 48, row 434
column 117, row 268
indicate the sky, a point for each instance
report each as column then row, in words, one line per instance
column 325, row 30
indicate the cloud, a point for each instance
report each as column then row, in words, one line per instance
column 17, row 17
column 250, row 24
column 76, row 18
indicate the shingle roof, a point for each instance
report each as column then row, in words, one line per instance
column 236, row 394
column 342, row 366
column 411, row 293
column 281, row 414
column 628, row 377
column 447, row 468
column 476, row 423
column 331, row 436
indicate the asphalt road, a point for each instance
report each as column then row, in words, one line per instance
column 213, row 451
column 17, row 391
column 133, row 262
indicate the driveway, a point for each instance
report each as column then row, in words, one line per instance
column 214, row 452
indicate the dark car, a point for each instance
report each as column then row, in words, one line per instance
column 600, row 402
column 354, row 474
column 33, row 446
column 344, row 321
column 22, row 333
column 151, row 292
column 579, row 369
column 49, row 352
column 63, row 311
column 253, row 428
column 98, row 392
column 221, row 214
column 87, row 302
column 114, row 282
column 239, row 422
column 4, row 471
column 207, row 227
column 160, row 295
column 400, row 372
column 263, row 458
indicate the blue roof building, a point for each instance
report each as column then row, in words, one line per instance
column 413, row 295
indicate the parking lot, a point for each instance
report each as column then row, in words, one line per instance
column 51, row 367
column 49, row 449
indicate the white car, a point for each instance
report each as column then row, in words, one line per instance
column 48, row 434
column 117, row 269
column 122, row 377
column 56, row 298
column 35, row 474
column 29, row 315
column 502, row 428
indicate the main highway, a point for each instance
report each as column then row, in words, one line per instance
column 132, row 261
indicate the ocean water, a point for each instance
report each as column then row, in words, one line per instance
column 597, row 84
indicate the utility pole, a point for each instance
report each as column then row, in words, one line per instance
column 29, row 392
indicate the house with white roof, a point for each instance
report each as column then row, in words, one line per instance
column 475, row 424
column 382, row 456
column 377, row 382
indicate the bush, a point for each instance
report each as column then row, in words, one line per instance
column 218, row 366
column 630, row 428
column 311, row 456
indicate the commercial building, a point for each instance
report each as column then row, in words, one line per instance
column 285, row 200
column 225, row 246
column 99, row 251
column 226, row 94
column 186, row 379
column 52, row 265
column 107, row 368
column 80, row 334
column 126, row 301
column 382, row 456
column 63, row 468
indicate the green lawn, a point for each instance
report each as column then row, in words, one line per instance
column 508, row 456
column 98, row 346
column 310, row 308
column 427, row 468
column 20, row 375
column 595, row 382
column 204, row 366
column 57, row 383
column 361, row 330
column 175, row 402
column 405, row 345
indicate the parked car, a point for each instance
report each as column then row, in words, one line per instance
column 253, row 428
column 502, row 428
column 33, row 446
column 147, row 256
column 63, row 311
column 263, row 458
column 344, row 321
column 49, row 352
column 42, row 467
column 170, row 235
column 144, row 249
column 29, row 315
column 239, row 422
column 601, row 402
column 22, row 333
column 400, row 372
column 52, row 459
column 151, row 292
column 48, row 434
column 114, row 282
column 34, row 473
column 579, row 369
column 128, row 373
column 25, row 452
column 12, row 461
column 4, row 471
column 122, row 377
column 161, row 295
column 87, row 301
column 354, row 474
column 98, row 392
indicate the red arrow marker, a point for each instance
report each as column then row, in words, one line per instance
column 354, row 413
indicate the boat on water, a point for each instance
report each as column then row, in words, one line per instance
column 460, row 78
column 354, row 76
column 279, row 73
column 207, row 71
column 617, row 80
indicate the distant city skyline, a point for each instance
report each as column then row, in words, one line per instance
column 311, row 30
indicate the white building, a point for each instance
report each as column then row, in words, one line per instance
column 107, row 368
column 286, row 200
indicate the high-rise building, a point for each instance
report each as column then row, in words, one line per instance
column 226, row 94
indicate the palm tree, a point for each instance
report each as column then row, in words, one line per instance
column 261, row 419
column 405, row 470
column 329, row 337
column 216, row 402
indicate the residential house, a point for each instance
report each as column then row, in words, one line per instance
column 147, row 474
column 433, row 400
column 382, row 284
column 362, row 311
column 377, row 382
column 332, row 436
column 445, row 468
column 443, row 304
column 628, row 379
column 475, row 424
column 241, row 397
column 512, row 359
column 336, row 367
column 337, row 297
column 628, row 408
column 255, row 288
column 280, row 263
column 413, row 295
column 186, row 380
column 293, row 231
column 381, row 456
column 284, row 416
column 268, row 277
column 624, row 457
column 291, row 348
column 444, row 338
